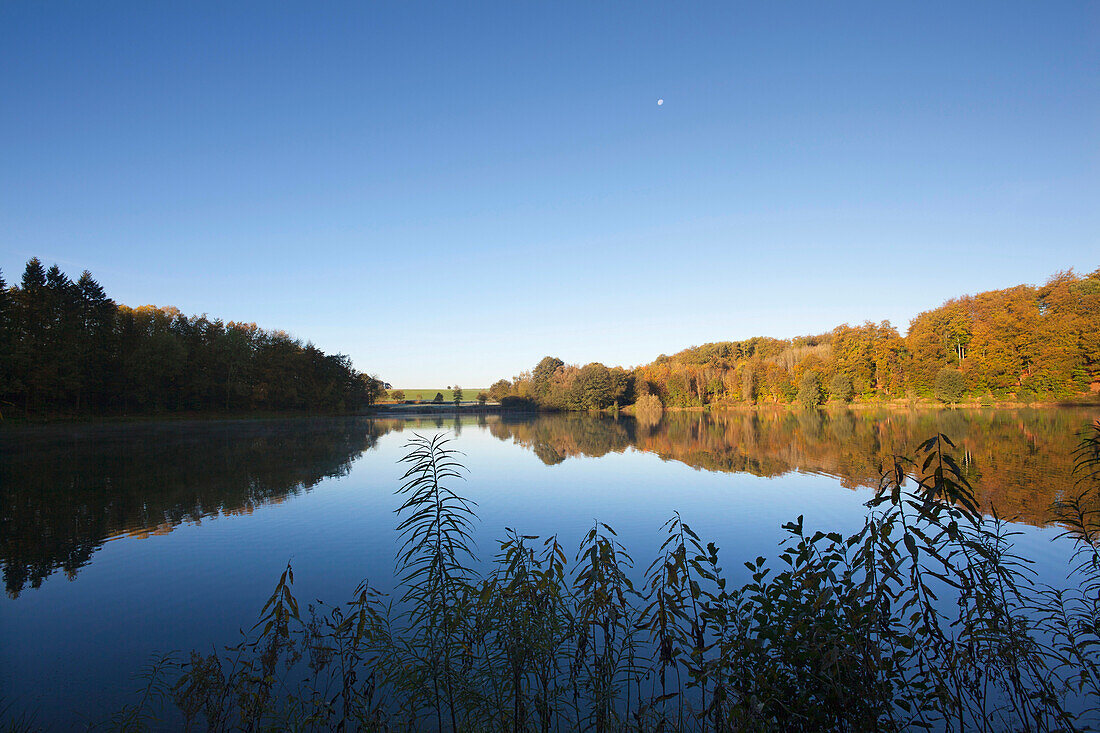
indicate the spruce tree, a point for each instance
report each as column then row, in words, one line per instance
column 34, row 277
column 5, row 342
column 28, row 356
column 95, row 322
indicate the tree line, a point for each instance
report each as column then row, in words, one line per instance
column 1023, row 344
column 68, row 349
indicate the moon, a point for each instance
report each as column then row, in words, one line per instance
column 660, row 102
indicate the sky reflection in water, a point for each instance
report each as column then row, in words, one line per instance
column 172, row 535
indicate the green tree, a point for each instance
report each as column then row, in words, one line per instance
column 67, row 346
column 30, row 353
column 457, row 395
column 543, row 375
column 438, row 398
column 950, row 385
column 593, row 389
column 96, row 321
column 810, row 394
column 482, row 397
column 840, row 387
column 500, row 389
column 374, row 390
column 398, row 395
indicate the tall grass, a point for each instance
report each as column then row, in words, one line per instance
column 923, row 619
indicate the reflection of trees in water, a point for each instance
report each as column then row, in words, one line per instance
column 64, row 492
column 556, row 437
column 1018, row 461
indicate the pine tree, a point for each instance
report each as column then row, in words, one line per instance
column 62, row 342
column 95, row 323
column 34, row 278
column 28, row 356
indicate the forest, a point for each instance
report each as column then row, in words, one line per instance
column 67, row 349
column 1020, row 344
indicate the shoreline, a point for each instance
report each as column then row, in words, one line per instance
column 375, row 411
column 393, row 411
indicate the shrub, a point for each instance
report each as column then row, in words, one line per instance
column 950, row 385
column 438, row 398
column 513, row 402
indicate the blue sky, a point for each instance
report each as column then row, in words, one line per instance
column 448, row 192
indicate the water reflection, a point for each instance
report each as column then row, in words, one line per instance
column 64, row 491
column 1018, row 461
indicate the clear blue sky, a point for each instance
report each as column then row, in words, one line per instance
column 448, row 192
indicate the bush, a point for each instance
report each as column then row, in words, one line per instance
column 810, row 394
column 438, row 398
column 513, row 402
column 950, row 385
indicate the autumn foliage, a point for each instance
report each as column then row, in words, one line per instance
column 1020, row 344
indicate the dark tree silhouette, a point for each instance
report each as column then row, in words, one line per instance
column 67, row 348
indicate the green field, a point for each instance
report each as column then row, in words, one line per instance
column 469, row 394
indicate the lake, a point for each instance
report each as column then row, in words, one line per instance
column 119, row 541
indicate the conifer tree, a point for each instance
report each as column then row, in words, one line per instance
column 34, row 278
column 95, row 320
column 5, row 341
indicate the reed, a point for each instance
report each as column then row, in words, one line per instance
column 923, row 619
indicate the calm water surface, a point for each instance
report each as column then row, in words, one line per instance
column 120, row 541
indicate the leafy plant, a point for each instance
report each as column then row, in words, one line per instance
column 923, row 619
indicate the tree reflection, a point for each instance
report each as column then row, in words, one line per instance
column 1019, row 461
column 62, row 495
column 66, row 491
